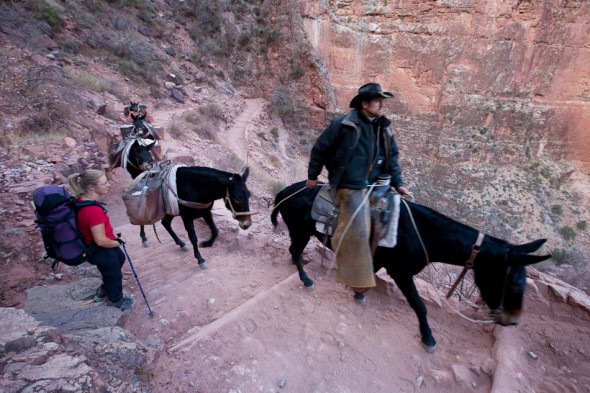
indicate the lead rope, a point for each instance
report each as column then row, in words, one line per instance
column 429, row 263
column 358, row 209
column 295, row 193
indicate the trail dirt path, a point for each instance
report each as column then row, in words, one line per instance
column 247, row 325
column 238, row 132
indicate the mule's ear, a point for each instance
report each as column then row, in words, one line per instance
column 532, row 259
column 246, row 173
column 527, row 248
column 520, row 253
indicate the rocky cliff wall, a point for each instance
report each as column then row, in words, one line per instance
column 466, row 59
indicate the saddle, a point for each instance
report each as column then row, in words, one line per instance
column 119, row 155
column 384, row 214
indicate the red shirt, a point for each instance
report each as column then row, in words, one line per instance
column 91, row 216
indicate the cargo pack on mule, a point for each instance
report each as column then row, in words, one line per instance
column 144, row 201
column 55, row 212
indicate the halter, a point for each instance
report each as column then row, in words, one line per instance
column 234, row 213
column 137, row 158
column 469, row 263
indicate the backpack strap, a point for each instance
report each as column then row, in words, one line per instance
column 79, row 205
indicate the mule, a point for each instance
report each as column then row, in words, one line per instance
column 197, row 189
column 499, row 267
column 139, row 160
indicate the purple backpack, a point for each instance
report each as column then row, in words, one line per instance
column 56, row 210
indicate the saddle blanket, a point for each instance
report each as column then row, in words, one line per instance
column 170, row 192
column 389, row 239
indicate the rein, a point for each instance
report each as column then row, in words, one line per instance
column 468, row 265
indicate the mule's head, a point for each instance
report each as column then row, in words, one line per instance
column 133, row 106
column 140, row 154
column 237, row 199
column 501, row 278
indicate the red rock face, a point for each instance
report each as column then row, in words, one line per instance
column 518, row 69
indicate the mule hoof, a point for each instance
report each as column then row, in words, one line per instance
column 184, row 248
column 145, row 243
column 310, row 288
column 203, row 265
column 506, row 319
column 429, row 348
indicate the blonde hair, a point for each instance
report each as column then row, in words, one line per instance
column 79, row 182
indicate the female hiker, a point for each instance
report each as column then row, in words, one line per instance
column 95, row 226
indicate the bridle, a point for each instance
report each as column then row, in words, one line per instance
column 137, row 165
column 468, row 264
column 234, row 213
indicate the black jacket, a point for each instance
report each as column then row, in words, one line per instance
column 335, row 149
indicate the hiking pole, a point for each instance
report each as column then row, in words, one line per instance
column 134, row 273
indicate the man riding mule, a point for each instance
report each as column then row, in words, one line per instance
column 142, row 121
column 425, row 236
column 356, row 149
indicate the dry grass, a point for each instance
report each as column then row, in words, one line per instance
column 229, row 163
column 204, row 121
column 87, row 80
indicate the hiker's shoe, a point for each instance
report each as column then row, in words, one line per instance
column 100, row 294
column 124, row 304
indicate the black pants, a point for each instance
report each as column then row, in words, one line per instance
column 109, row 262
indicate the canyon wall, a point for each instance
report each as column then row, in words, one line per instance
column 492, row 99
column 460, row 56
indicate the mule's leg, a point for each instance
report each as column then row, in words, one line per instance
column 192, row 235
column 167, row 223
column 208, row 217
column 406, row 284
column 143, row 237
column 298, row 243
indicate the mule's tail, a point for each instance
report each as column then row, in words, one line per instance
column 282, row 196
column 274, row 214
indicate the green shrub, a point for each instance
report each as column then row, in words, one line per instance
column 557, row 209
column 49, row 14
column 560, row 255
column 296, row 71
column 567, row 233
column 129, row 67
column 581, row 225
column 275, row 132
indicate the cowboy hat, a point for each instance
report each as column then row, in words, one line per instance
column 367, row 92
